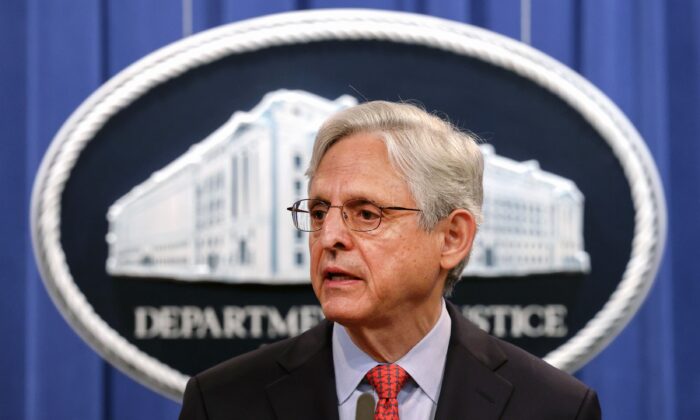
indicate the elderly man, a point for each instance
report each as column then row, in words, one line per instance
column 394, row 202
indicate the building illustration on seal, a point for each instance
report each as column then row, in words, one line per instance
column 218, row 212
column 533, row 221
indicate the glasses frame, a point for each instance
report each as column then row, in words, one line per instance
column 294, row 209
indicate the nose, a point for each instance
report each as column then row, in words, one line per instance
column 335, row 233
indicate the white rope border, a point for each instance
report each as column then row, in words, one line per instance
column 320, row 25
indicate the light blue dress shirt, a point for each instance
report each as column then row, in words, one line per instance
column 425, row 362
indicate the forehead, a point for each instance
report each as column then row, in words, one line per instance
column 358, row 166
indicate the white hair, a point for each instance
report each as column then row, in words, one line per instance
column 442, row 165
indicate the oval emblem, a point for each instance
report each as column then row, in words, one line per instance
column 159, row 213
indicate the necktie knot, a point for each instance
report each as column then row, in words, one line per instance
column 387, row 380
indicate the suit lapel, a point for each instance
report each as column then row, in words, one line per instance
column 308, row 391
column 471, row 389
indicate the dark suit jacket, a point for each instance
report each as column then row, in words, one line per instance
column 485, row 379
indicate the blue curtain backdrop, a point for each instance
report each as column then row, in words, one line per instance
column 644, row 54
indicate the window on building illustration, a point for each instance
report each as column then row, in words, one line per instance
column 297, row 161
column 297, row 188
column 246, row 179
column 242, row 252
column 234, row 187
column 299, row 258
column 298, row 235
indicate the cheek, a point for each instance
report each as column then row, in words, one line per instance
column 398, row 262
column 315, row 255
column 413, row 263
column 314, row 246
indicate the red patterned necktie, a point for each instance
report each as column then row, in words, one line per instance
column 387, row 380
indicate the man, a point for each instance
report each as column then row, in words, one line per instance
column 394, row 202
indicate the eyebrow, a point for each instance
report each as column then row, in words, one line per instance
column 318, row 197
column 363, row 198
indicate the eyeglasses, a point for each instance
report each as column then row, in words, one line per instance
column 358, row 214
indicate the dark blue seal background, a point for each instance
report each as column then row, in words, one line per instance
column 522, row 121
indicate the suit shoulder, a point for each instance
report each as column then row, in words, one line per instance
column 512, row 363
column 261, row 367
column 538, row 390
column 525, row 367
column 240, row 385
column 237, row 385
column 533, row 379
column 255, row 366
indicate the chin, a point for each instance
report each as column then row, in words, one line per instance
column 344, row 313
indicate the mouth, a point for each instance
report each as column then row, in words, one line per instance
column 334, row 274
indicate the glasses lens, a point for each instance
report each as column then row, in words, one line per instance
column 308, row 215
column 362, row 215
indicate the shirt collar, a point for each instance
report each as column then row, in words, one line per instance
column 424, row 362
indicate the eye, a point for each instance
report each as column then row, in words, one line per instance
column 364, row 211
column 318, row 212
column 368, row 215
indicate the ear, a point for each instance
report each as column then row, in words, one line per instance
column 459, row 229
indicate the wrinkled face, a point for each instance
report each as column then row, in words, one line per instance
column 376, row 277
